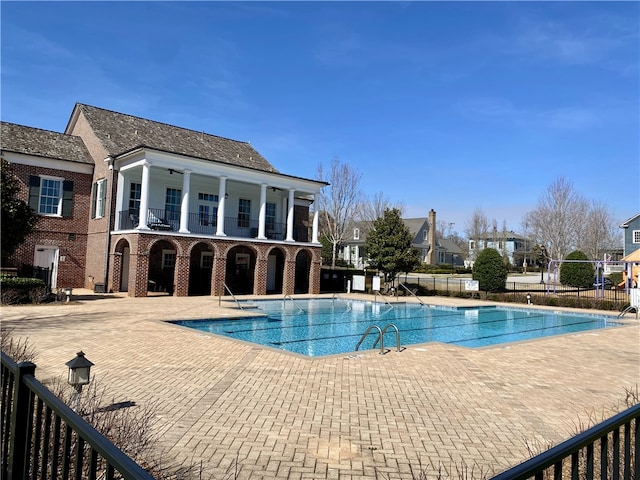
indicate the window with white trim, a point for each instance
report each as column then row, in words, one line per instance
column 135, row 193
column 206, row 260
column 472, row 244
column 172, row 203
column 356, row 234
column 207, row 209
column 425, row 234
column 270, row 216
column 636, row 236
column 99, row 199
column 168, row 259
column 244, row 212
column 51, row 196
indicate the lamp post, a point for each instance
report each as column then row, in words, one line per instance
column 79, row 374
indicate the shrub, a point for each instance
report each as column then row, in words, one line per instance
column 490, row 271
column 22, row 290
column 616, row 278
column 578, row 274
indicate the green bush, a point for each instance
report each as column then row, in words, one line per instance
column 490, row 271
column 22, row 290
column 616, row 278
column 579, row 274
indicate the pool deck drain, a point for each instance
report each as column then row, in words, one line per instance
column 360, row 416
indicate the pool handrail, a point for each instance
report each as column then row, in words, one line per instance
column 375, row 299
column 384, row 330
column 226, row 287
column 294, row 302
column 413, row 294
column 365, row 334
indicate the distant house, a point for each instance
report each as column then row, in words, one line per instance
column 130, row 204
column 516, row 248
column 631, row 234
column 424, row 238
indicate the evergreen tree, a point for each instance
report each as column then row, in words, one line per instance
column 18, row 219
column 577, row 274
column 490, row 270
column 388, row 245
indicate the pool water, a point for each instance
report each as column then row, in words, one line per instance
column 317, row 327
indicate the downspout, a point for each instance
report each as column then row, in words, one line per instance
column 109, row 219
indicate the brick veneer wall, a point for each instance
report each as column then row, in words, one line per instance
column 141, row 256
column 69, row 234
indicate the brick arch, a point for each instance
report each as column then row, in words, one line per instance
column 272, row 269
column 199, row 276
column 120, row 275
column 177, row 245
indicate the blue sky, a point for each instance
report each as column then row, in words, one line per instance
column 444, row 105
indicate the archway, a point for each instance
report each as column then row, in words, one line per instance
column 275, row 271
column 124, row 249
column 162, row 265
column 303, row 269
column 241, row 263
column 200, row 266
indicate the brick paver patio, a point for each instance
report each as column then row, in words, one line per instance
column 365, row 416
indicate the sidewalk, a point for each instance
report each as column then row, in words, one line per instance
column 285, row 416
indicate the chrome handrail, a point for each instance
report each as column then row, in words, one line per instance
column 293, row 301
column 408, row 290
column 226, row 287
column 384, row 330
column 379, row 338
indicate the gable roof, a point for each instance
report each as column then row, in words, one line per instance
column 626, row 223
column 415, row 224
column 120, row 133
column 43, row 143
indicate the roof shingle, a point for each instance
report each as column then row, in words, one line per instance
column 121, row 133
column 43, row 143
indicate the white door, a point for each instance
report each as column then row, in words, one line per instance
column 46, row 256
column 124, row 280
column 272, row 261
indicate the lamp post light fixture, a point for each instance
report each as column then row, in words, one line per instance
column 68, row 291
column 79, row 371
column 528, row 299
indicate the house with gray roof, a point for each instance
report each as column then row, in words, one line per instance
column 432, row 250
column 166, row 208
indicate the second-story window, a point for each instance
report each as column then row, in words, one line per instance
column 135, row 192
column 425, row 234
column 172, row 203
column 99, row 199
column 636, row 236
column 472, row 245
column 270, row 216
column 244, row 212
column 356, row 234
column 207, row 209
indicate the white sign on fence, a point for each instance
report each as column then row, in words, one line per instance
column 471, row 285
column 375, row 285
column 358, row 283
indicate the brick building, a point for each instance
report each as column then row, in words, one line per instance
column 129, row 204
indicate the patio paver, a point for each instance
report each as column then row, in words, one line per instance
column 365, row 416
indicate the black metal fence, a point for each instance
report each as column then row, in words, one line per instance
column 609, row 450
column 44, row 438
column 457, row 286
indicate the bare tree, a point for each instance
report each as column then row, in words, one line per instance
column 558, row 219
column 600, row 231
column 374, row 206
column 338, row 202
column 475, row 228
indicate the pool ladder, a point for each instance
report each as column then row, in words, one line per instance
column 381, row 332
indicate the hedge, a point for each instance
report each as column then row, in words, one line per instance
column 17, row 290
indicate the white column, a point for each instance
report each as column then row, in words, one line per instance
column 144, row 197
column 314, row 231
column 222, row 191
column 120, row 203
column 290, row 217
column 263, row 211
column 184, row 203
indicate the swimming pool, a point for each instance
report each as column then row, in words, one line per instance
column 316, row 327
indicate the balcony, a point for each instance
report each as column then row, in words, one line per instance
column 206, row 225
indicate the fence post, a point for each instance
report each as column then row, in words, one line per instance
column 19, row 430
